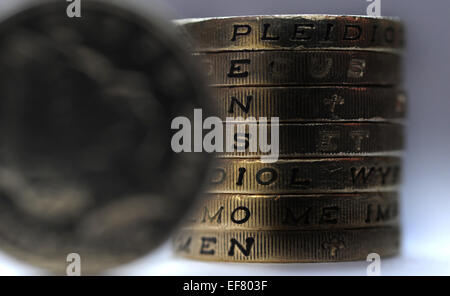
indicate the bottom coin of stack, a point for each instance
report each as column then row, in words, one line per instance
column 291, row 228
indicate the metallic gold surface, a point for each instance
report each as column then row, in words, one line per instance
column 287, row 246
column 294, row 212
column 305, row 175
column 310, row 103
column 316, row 139
column 289, row 68
column 333, row 82
column 293, row 32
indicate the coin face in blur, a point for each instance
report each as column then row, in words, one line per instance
column 85, row 111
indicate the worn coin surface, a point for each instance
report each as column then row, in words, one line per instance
column 315, row 175
column 293, row 32
column 287, row 246
column 294, row 212
column 291, row 68
column 243, row 139
column 85, row 111
column 313, row 104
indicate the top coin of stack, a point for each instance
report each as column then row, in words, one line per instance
column 333, row 82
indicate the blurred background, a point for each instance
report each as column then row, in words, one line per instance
column 425, row 207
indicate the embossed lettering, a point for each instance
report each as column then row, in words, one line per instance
column 302, row 32
column 206, row 245
column 218, row 176
column 245, row 108
column 357, row 68
column 330, row 30
column 358, row 137
column 235, row 69
column 333, row 245
column 242, row 141
column 352, row 32
column 265, row 36
column 185, row 247
column 237, row 31
column 300, row 182
column 241, row 176
column 329, row 215
column 333, row 102
column 389, row 212
column 389, row 35
column 291, row 219
column 248, row 246
column 273, row 175
column 246, row 212
column 364, row 175
column 217, row 216
column 326, row 143
column 320, row 68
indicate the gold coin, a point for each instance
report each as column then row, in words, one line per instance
column 295, row 104
column 287, row 246
column 293, row 32
column 294, row 212
column 312, row 139
column 290, row 68
column 313, row 175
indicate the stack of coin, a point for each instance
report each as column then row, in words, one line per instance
column 333, row 82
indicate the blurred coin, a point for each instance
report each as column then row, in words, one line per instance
column 86, row 165
column 293, row 32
